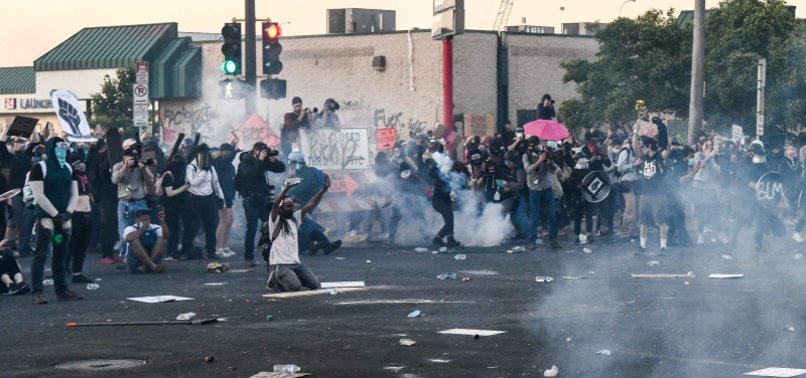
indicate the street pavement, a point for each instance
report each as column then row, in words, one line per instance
column 592, row 320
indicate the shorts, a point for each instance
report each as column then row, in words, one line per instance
column 653, row 208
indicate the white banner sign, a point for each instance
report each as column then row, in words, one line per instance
column 140, row 110
column 737, row 134
column 331, row 150
column 71, row 118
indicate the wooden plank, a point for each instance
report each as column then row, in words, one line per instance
column 310, row 293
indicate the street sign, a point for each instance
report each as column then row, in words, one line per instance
column 140, row 108
column 385, row 139
column 141, row 72
column 347, row 185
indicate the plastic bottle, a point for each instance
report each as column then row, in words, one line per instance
column 287, row 368
column 460, row 257
column 93, row 286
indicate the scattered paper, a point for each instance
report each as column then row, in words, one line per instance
column 215, row 284
column 653, row 263
column 268, row 374
column 725, row 276
column 663, row 275
column 470, row 332
column 777, row 372
column 331, row 285
column 160, row 299
column 604, row 352
column 727, row 257
column 394, row 368
column 407, row 342
column 186, row 316
column 551, row 373
column 544, row 279
column 587, row 251
column 798, row 256
column 790, row 328
column 439, row 360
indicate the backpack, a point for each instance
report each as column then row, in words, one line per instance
column 159, row 191
column 264, row 245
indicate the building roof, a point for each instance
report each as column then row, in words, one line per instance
column 107, row 47
column 17, row 80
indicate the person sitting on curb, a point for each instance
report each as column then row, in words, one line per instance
column 10, row 272
column 148, row 243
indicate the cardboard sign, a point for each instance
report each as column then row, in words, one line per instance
column 331, row 150
column 22, row 126
column 385, row 139
column 480, row 125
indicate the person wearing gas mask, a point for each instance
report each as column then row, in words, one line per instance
column 133, row 179
column 589, row 159
column 56, row 195
column 252, row 184
column 752, row 210
column 204, row 195
column 539, row 169
column 82, row 228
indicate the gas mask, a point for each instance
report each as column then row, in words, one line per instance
column 298, row 165
column 61, row 153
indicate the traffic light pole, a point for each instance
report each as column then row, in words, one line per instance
column 251, row 58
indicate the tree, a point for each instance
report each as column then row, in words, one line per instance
column 646, row 58
column 112, row 107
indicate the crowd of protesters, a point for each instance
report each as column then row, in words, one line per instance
column 151, row 206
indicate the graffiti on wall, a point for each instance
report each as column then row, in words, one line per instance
column 184, row 117
column 386, row 120
column 326, row 149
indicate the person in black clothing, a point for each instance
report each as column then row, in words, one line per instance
column 226, row 178
column 652, row 201
column 443, row 199
column 106, row 193
column 253, row 186
column 791, row 171
column 545, row 110
column 82, row 226
column 174, row 201
column 676, row 175
column 19, row 162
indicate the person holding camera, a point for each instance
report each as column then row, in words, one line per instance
column 292, row 122
column 56, row 194
column 226, row 178
column 327, row 118
column 133, row 179
column 545, row 110
column 254, row 188
column 539, row 168
column 205, row 194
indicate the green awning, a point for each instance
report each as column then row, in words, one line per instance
column 17, row 80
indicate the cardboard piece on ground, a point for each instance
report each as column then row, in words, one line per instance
column 399, row 301
column 160, row 299
column 725, row 276
column 268, row 374
column 331, row 285
column 663, row 275
column 215, row 284
column 239, row 270
column 471, row 332
column 777, row 372
column 309, row 293
column 479, row 272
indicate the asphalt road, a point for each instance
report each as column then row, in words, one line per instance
column 674, row 327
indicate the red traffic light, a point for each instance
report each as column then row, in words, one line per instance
column 272, row 32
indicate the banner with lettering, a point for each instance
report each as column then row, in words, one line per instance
column 331, row 150
column 72, row 119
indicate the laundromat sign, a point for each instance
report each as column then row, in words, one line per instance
column 11, row 103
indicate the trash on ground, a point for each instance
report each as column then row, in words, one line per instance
column 519, row 248
column 215, row 284
column 479, row 272
column 777, row 372
column 653, row 263
column 399, row 301
column 471, row 332
column 664, row 275
column 308, row 293
column 460, row 257
column 568, row 339
column 394, row 368
column 727, row 257
column 93, row 286
column 160, row 299
column 574, row 278
column 465, row 279
column 438, row 360
column 544, row 279
column 604, row 352
column 240, row 270
column 550, row 373
column 420, row 249
column 331, row 285
column 798, row 256
column 790, row 328
column 286, row 368
column 269, row 374
column 725, row 276
column 369, row 261
column 587, row 251
column 415, row 314
column 215, row 267
column 47, row 282
column 269, row 318
column 339, row 258
column 407, row 342
column 446, row 276
column 186, row 316
column 443, row 249
column 209, row 359
column 686, row 283
column 98, row 280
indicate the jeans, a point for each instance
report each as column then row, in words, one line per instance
column 520, row 215
column 253, row 214
column 536, row 198
column 44, row 238
column 109, row 225
column 292, row 277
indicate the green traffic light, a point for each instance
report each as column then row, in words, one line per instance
column 229, row 67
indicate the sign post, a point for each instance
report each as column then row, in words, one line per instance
column 141, row 100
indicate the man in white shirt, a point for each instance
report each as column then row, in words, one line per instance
column 147, row 244
column 286, row 272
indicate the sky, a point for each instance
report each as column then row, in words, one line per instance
column 30, row 28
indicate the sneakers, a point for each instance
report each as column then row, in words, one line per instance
column 249, row 263
column 452, row 243
column 19, row 288
column 438, row 241
column 38, row 298
column 107, row 261
column 69, row 296
column 82, row 279
column 224, row 253
column 641, row 251
column 798, row 238
column 332, row 247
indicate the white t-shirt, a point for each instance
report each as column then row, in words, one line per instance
column 285, row 249
column 129, row 229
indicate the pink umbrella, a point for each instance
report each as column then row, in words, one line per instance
column 546, row 129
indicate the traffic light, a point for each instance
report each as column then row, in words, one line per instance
column 232, row 89
column 272, row 48
column 272, row 89
column 231, row 49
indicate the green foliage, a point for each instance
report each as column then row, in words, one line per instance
column 112, row 107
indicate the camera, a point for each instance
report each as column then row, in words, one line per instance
column 333, row 106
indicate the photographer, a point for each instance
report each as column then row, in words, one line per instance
column 327, row 118
column 254, row 188
column 545, row 110
column 292, row 122
column 539, row 168
column 133, row 179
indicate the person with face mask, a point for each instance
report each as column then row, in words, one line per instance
column 133, row 178
column 516, row 203
column 204, row 195
column 18, row 160
column 82, row 227
column 174, row 202
column 791, row 171
column 651, row 165
column 226, row 176
column 253, row 186
column 56, row 195
column 628, row 183
column 538, row 168
column 705, row 171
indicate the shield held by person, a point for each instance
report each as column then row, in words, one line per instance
column 770, row 188
column 595, row 187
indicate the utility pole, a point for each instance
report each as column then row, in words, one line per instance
column 251, row 58
column 695, row 109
